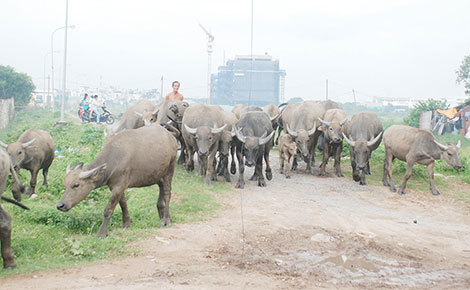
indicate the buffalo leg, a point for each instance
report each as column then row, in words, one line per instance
column 164, row 196
column 281, row 161
column 294, row 164
column 326, row 156
column 116, row 195
column 338, row 149
column 5, row 239
column 44, row 175
column 431, row 179
column 287, row 158
column 225, row 169
column 269, row 172
column 126, row 218
column 233, row 167
column 409, row 168
column 241, row 169
column 32, row 183
column 309, row 163
column 210, row 172
column 259, row 169
column 190, row 158
column 181, row 159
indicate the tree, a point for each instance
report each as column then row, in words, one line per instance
column 429, row 105
column 15, row 85
column 463, row 74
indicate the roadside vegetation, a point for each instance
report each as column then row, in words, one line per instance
column 45, row 238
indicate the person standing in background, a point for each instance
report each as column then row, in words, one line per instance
column 174, row 95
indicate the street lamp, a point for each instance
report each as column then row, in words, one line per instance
column 52, row 57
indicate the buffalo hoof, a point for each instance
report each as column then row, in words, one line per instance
column 9, row 264
column 240, row 185
column 357, row 178
column 308, row 171
column 254, row 177
column 190, row 167
column 363, row 182
column 269, row 175
column 207, row 181
column 227, row 179
column 29, row 191
column 261, row 183
column 166, row 222
column 126, row 224
column 401, row 192
column 281, row 171
column 322, row 173
column 368, row 173
column 233, row 168
column 287, row 176
column 102, row 234
column 436, row 192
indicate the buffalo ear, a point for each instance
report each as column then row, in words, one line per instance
column 3, row 144
column 321, row 128
column 185, row 104
column 174, row 108
column 78, row 166
column 458, row 144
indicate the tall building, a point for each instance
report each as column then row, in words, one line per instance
column 244, row 80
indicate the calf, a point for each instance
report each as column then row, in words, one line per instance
column 333, row 128
column 414, row 145
column 33, row 151
column 287, row 150
column 132, row 158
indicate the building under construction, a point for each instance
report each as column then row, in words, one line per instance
column 248, row 80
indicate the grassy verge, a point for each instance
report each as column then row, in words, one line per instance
column 46, row 238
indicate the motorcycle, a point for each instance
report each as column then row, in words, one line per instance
column 106, row 117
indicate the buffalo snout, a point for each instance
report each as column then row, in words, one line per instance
column 62, row 207
column 202, row 153
column 458, row 166
column 15, row 167
column 249, row 163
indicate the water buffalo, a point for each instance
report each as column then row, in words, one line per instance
column 254, row 133
column 414, row 145
column 239, row 109
column 333, row 127
column 132, row 117
column 5, row 219
column 365, row 134
column 33, row 151
column 273, row 111
column 202, row 127
column 287, row 151
column 132, row 158
column 227, row 146
column 300, row 121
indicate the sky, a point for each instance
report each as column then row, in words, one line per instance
column 399, row 48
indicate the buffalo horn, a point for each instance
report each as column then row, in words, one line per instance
column 443, row 147
column 3, row 144
column 27, row 144
column 216, row 130
column 275, row 117
column 155, row 113
column 312, row 131
column 263, row 140
column 190, row 130
column 458, row 144
column 68, row 169
column 290, row 131
column 88, row 173
column 138, row 114
column 344, row 121
column 350, row 141
column 238, row 133
column 373, row 141
column 325, row 123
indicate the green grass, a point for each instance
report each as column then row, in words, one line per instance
column 45, row 238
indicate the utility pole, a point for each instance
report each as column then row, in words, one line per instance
column 251, row 56
column 161, row 89
column 48, row 98
column 327, row 89
column 62, row 105
column 210, row 39
column 354, row 95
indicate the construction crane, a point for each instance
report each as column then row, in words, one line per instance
column 210, row 39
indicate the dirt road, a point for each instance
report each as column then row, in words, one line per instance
column 303, row 232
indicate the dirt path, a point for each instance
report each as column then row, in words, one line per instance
column 306, row 232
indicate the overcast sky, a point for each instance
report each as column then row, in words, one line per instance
column 408, row 48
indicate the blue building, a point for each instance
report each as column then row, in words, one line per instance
column 244, row 80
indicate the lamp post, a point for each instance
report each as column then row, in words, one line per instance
column 52, row 57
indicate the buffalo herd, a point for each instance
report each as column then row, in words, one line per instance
column 142, row 151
